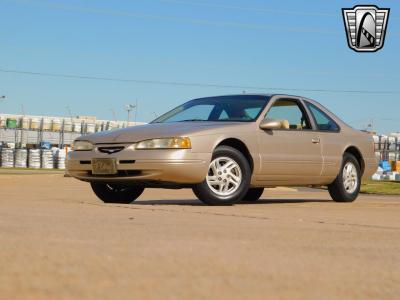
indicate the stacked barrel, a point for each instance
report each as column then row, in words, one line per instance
column 33, row 158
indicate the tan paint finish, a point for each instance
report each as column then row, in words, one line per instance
column 280, row 157
column 287, row 155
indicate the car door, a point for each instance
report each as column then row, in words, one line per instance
column 331, row 140
column 291, row 154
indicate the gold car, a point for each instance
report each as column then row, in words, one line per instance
column 228, row 149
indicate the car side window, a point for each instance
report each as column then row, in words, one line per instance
column 324, row 122
column 223, row 116
column 291, row 115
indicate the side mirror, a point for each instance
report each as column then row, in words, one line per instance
column 270, row 124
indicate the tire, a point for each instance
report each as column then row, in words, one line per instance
column 235, row 180
column 341, row 191
column 112, row 193
column 253, row 195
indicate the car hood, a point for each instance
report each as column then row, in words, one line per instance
column 157, row 130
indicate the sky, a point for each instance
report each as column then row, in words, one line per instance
column 156, row 47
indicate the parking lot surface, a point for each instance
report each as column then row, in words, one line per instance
column 58, row 241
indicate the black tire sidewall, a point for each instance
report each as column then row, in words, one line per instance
column 206, row 195
column 130, row 194
column 337, row 189
column 253, row 195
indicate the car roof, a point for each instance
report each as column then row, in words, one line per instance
column 256, row 94
column 319, row 105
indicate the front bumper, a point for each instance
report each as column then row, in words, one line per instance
column 180, row 166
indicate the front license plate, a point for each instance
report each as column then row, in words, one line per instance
column 104, row 166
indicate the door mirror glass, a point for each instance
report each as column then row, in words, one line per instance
column 270, row 124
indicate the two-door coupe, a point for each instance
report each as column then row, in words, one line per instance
column 228, row 149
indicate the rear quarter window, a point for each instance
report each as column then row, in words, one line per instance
column 324, row 122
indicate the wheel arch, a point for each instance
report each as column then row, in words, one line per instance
column 240, row 146
column 358, row 155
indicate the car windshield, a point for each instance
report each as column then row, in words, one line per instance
column 242, row 108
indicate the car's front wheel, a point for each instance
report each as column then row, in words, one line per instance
column 346, row 186
column 227, row 180
column 114, row 193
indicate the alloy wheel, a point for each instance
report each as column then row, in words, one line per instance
column 224, row 176
column 350, row 178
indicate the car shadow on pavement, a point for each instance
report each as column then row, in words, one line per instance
column 286, row 201
column 189, row 202
column 193, row 202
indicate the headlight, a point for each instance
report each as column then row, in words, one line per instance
column 165, row 143
column 82, row 146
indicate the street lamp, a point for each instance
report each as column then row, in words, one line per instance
column 129, row 108
column 2, row 98
column 69, row 111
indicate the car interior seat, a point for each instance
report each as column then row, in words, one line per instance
column 285, row 124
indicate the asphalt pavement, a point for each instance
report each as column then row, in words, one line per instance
column 58, row 241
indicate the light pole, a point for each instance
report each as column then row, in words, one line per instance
column 23, row 109
column 62, row 137
column 114, row 114
column 129, row 108
column 370, row 126
column 69, row 111
column 136, row 109
column 22, row 125
column 2, row 98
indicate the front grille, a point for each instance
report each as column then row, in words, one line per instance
column 126, row 161
column 111, row 150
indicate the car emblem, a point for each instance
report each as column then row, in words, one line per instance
column 110, row 150
column 365, row 27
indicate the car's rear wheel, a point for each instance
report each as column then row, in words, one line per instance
column 253, row 195
column 228, row 178
column 346, row 186
column 114, row 193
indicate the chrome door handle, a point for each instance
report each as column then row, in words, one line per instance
column 316, row 141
